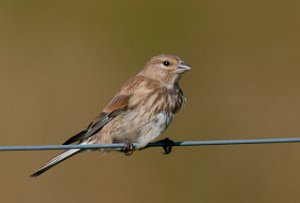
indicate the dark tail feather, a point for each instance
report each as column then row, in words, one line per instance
column 78, row 137
column 56, row 160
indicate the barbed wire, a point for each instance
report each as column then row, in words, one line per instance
column 153, row 144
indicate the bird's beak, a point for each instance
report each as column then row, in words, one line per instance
column 183, row 68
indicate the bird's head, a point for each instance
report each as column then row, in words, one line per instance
column 165, row 68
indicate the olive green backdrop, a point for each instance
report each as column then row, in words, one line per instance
column 62, row 61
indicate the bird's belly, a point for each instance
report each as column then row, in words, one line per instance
column 140, row 127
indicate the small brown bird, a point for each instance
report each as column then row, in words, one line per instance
column 141, row 110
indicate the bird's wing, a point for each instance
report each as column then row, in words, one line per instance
column 117, row 105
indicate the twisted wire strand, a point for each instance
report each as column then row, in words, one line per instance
column 153, row 144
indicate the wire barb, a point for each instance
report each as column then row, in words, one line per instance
column 153, row 144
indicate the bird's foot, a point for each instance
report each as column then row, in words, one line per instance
column 128, row 149
column 168, row 144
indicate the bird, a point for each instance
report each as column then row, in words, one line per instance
column 140, row 111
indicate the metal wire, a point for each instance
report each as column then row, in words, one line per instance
column 153, row 144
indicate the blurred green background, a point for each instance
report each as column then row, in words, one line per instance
column 62, row 61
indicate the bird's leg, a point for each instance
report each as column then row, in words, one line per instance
column 128, row 149
column 168, row 144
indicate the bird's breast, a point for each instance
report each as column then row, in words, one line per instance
column 157, row 100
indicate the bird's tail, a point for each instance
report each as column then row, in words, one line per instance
column 56, row 160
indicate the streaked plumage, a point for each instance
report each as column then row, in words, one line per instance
column 141, row 110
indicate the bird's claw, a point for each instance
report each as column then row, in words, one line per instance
column 168, row 144
column 128, row 149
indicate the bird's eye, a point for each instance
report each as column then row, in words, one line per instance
column 166, row 63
